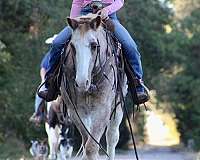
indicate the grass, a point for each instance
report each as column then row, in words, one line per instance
column 13, row 149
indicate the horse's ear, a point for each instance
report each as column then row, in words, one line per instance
column 95, row 23
column 72, row 23
column 45, row 141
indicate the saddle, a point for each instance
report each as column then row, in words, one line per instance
column 97, row 6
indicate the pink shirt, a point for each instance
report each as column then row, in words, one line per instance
column 78, row 4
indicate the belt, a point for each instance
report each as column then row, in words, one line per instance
column 97, row 5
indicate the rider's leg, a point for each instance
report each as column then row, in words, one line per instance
column 55, row 52
column 132, row 55
column 57, row 46
column 38, row 115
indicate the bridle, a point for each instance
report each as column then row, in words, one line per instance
column 98, row 71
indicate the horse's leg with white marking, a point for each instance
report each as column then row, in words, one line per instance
column 84, row 136
column 91, row 148
column 51, row 151
column 97, row 130
column 79, row 126
column 53, row 137
column 112, row 133
column 84, row 140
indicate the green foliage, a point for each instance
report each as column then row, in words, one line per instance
column 24, row 25
column 186, row 85
column 146, row 20
column 13, row 149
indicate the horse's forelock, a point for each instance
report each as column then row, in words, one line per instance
column 84, row 23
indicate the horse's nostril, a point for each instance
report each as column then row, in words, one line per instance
column 76, row 84
column 84, row 84
column 87, row 82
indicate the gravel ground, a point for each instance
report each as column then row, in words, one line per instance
column 154, row 154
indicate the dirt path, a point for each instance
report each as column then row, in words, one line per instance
column 154, row 154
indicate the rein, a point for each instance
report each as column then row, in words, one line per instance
column 120, row 69
column 75, row 109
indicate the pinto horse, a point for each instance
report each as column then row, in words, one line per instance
column 89, row 85
column 58, row 128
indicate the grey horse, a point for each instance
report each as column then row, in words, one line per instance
column 89, row 85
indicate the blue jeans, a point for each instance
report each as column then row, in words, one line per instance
column 128, row 44
column 56, row 48
column 38, row 102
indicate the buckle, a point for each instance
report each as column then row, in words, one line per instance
column 96, row 5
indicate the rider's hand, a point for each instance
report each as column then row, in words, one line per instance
column 103, row 13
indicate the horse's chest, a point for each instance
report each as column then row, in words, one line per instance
column 94, row 99
column 88, row 100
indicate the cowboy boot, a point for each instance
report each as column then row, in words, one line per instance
column 142, row 92
column 52, row 89
column 139, row 91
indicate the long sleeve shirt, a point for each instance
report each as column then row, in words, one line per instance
column 78, row 4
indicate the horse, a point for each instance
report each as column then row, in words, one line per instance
column 58, row 130
column 90, row 85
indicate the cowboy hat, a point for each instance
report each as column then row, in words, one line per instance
column 50, row 40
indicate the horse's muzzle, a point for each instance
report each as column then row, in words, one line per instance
column 93, row 88
column 82, row 86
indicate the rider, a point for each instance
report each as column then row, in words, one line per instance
column 83, row 7
column 38, row 115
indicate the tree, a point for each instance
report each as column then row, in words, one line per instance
column 186, row 84
column 24, row 25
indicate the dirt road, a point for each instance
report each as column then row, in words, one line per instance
column 155, row 154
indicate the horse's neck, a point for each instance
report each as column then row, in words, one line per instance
column 69, row 61
column 104, row 54
column 102, row 37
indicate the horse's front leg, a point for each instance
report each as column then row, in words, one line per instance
column 99, row 123
column 53, row 136
column 112, row 133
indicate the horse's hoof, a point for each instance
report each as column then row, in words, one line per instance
column 52, row 157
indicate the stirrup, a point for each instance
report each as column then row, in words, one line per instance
column 146, row 89
column 40, row 86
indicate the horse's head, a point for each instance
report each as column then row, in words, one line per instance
column 84, row 42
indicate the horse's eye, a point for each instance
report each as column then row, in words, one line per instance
column 73, row 48
column 72, row 45
column 93, row 45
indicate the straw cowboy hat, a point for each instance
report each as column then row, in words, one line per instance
column 50, row 40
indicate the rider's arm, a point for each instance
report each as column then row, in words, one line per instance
column 42, row 74
column 76, row 8
column 115, row 6
column 44, row 66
